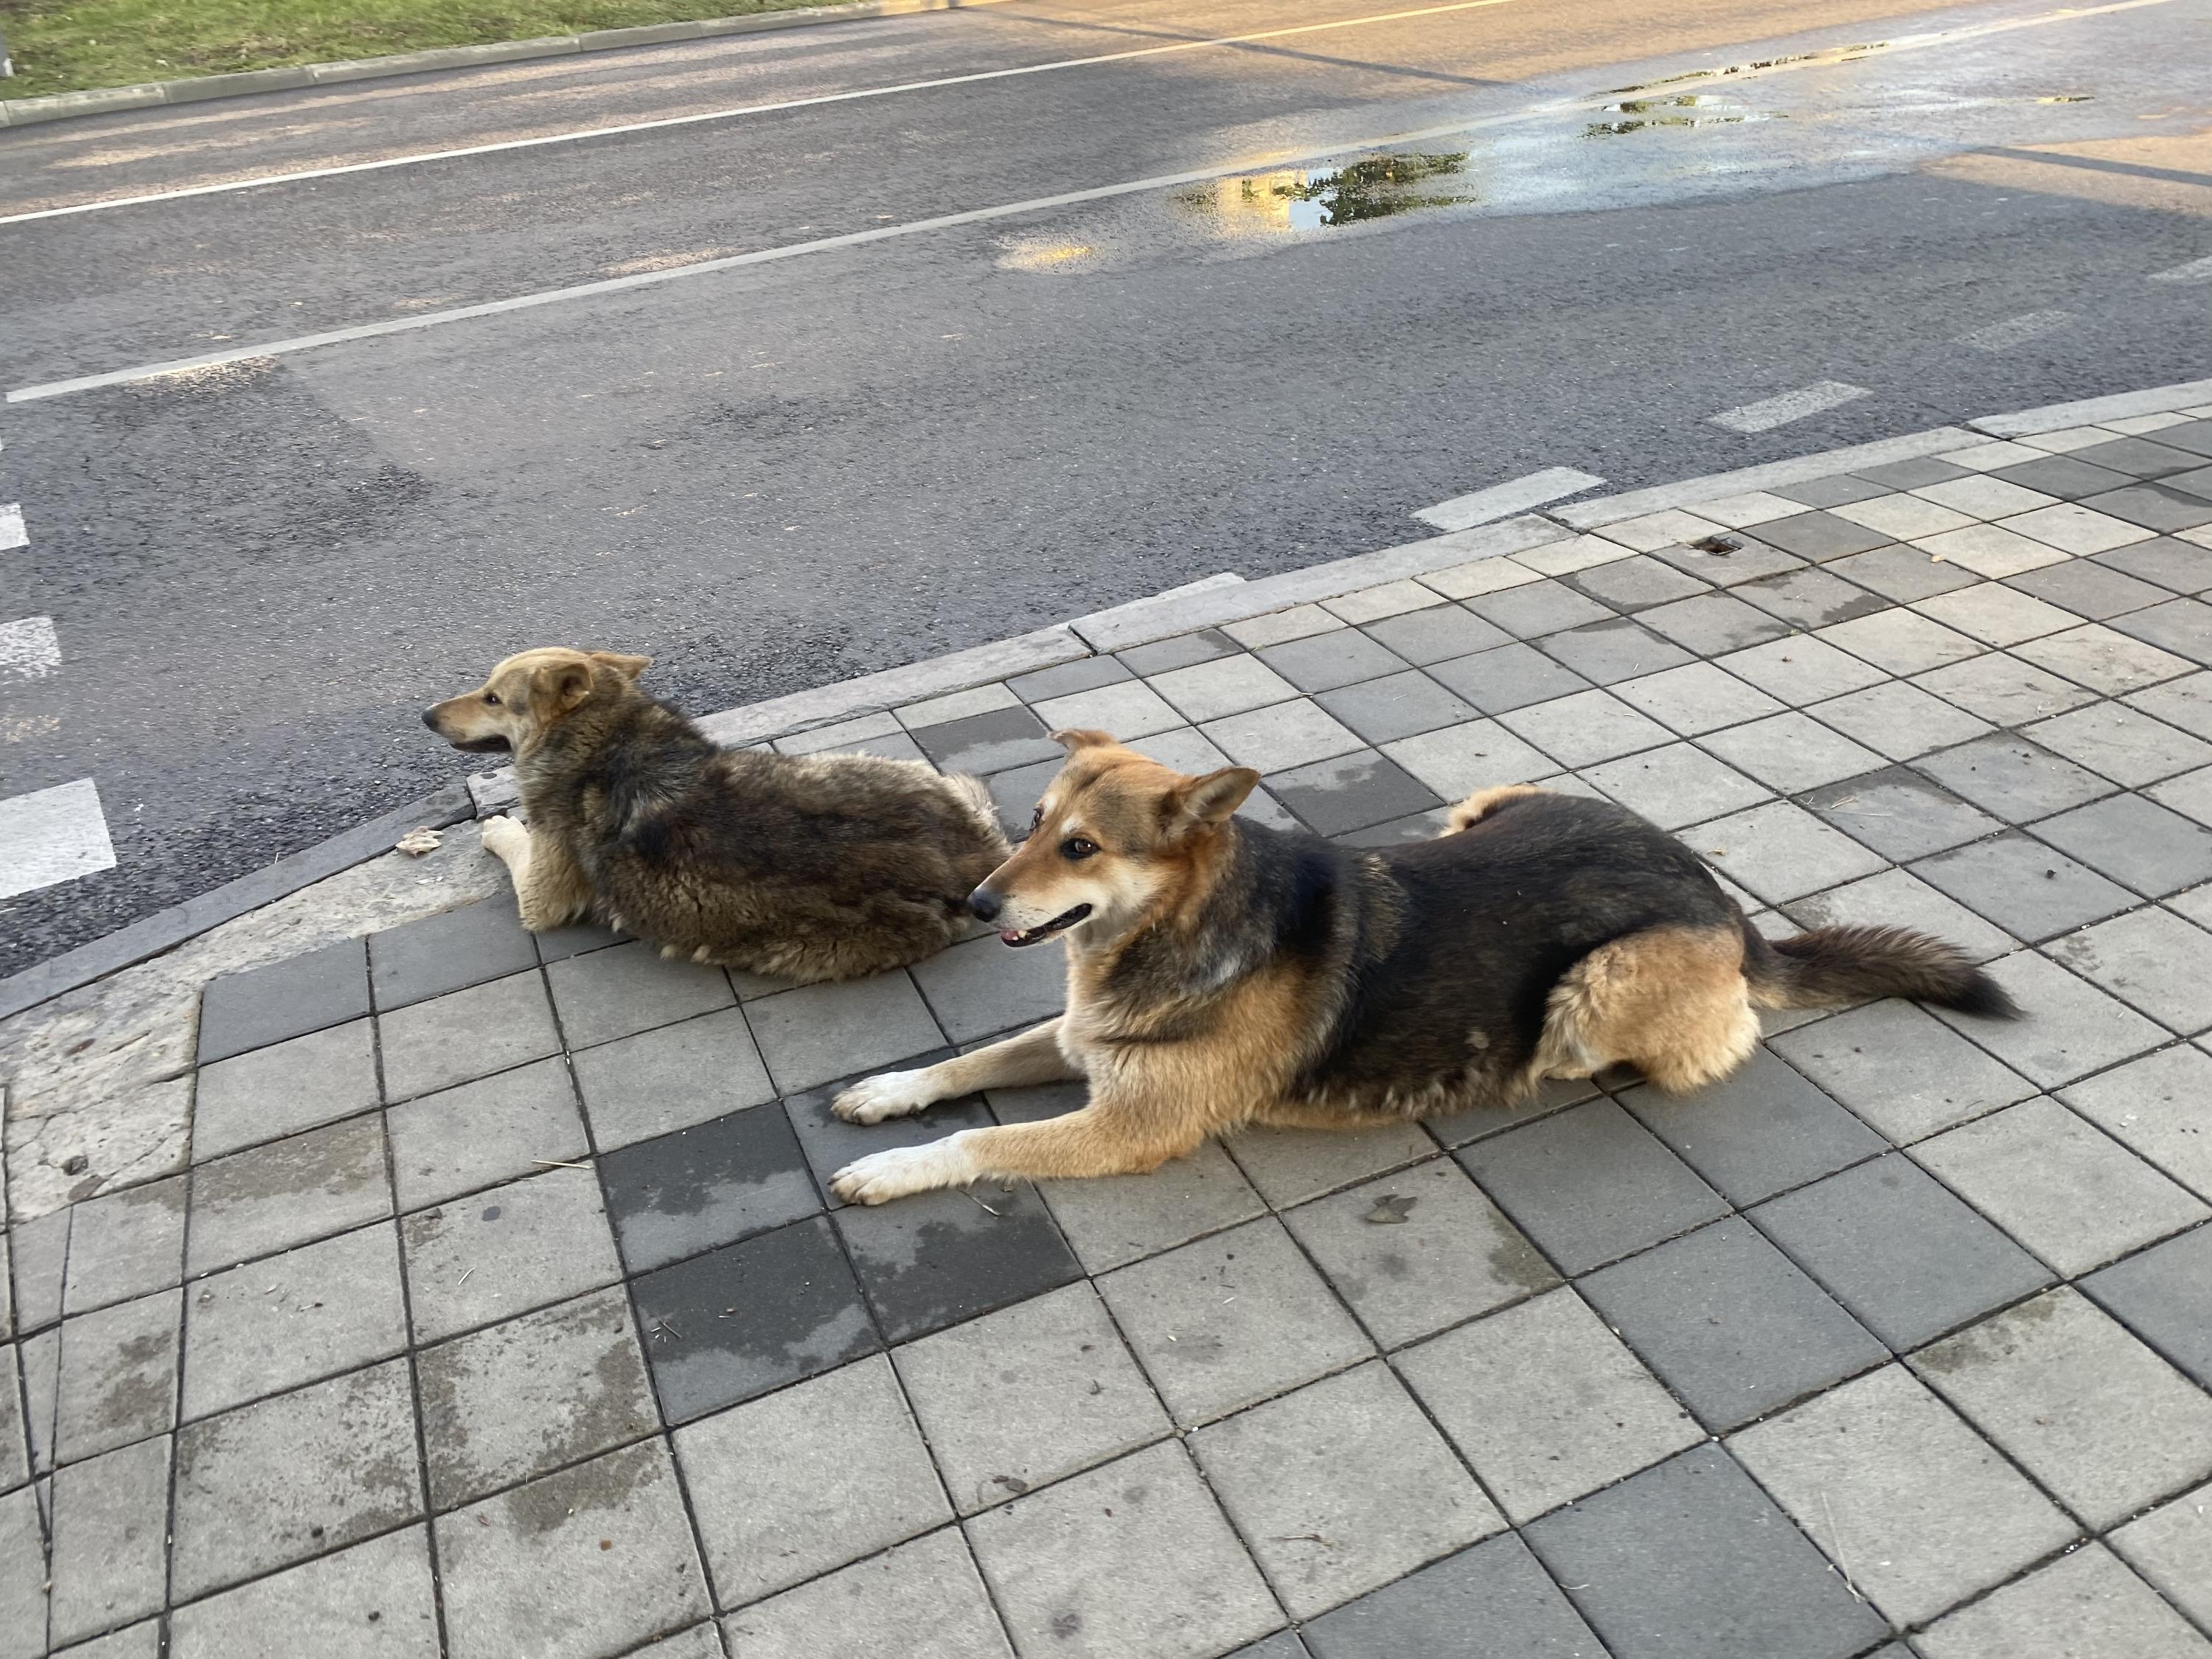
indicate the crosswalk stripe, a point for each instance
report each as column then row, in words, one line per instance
column 52, row 835
column 2014, row 330
column 12, row 533
column 29, row 649
column 1770, row 412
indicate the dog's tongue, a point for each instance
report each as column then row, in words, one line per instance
column 1010, row 935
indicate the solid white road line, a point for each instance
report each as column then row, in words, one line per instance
column 743, row 109
column 1504, row 501
column 2196, row 271
column 52, row 835
column 12, row 533
column 1770, row 412
column 2014, row 330
column 29, row 649
column 1733, row 73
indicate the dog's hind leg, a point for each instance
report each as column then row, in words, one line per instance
column 1098, row 1141
column 1034, row 1056
column 549, row 890
column 1671, row 1001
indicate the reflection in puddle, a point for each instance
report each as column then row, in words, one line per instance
column 1301, row 198
column 1687, row 109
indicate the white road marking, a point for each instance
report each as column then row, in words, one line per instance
column 52, row 835
column 2196, row 271
column 1733, row 73
column 29, row 649
column 1770, row 412
column 736, row 111
column 1504, row 501
column 12, row 533
column 2016, row 330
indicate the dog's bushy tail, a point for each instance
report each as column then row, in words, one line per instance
column 1832, row 965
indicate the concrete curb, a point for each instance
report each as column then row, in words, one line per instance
column 1798, row 469
column 104, row 100
column 2088, row 412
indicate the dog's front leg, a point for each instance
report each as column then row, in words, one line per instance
column 1103, row 1138
column 549, row 890
column 1034, row 1056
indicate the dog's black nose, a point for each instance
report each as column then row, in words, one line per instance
column 430, row 719
column 986, row 904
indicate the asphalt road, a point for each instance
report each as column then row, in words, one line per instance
column 776, row 474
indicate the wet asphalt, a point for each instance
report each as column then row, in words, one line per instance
column 776, row 476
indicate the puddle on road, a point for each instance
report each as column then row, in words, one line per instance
column 1317, row 198
column 1687, row 109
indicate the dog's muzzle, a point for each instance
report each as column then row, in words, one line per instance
column 1058, row 924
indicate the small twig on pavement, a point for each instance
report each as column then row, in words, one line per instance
column 1837, row 1538
column 979, row 1204
column 559, row 1164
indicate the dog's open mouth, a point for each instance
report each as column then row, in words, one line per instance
column 1058, row 924
column 494, row 745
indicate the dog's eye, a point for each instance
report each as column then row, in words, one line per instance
column 492, row 698
column 1076, row 848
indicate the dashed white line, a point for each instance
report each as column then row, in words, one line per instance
column 1770, row 412
column 2196, row 271
column 1504, row 501
column 52, row 835
column 2014, row 330
column 29, row 649
column 12, row 533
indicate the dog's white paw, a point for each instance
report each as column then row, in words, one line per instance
column 888, row 1094
column 898, row 1170
column 502, row 835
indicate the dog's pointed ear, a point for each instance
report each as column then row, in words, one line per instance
column 1072, row 741
column 561, row 686
column 628, row 667
column 1203, row 803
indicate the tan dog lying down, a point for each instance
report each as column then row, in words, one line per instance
column 814, row 868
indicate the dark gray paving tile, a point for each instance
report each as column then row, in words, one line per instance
column 1589, row 1184
column 2088, row 588
column 750, row 1318
column 2013, row 778
column 2139, row 457
column 1892, row 1244
column 1183, row 651
column 1728, row 560
column 556, row 943
column 1819, row 536
column 1322, row 662
column 1016, row 792
column 2154, row 507
column 2067, row 476
column 286, row 999
column 1511, row 677
column 1903, row 574
column 1401, row 705
column 2181, row 626
column 1635, row 584
column 1757, row 1133
column 1422, row 826
column 1497, row 1588
column 1064, row 679
column 1838, row 491
column 1810, row 598
column 2195, row 436
column 2023, row 886
column 830, row 1143
column 1351, row 792
column 1901, row 814
column 1617, row 650
column 2164, row 1295
column 938, row 1258
column 2198, row 483
column 1691, row 1560
column 1536, row 609
column 1915, row 474
column 1436, row 633
column 1713, row 623
column 713, row 1184
column 1730, row 1324
column 989, row 742
column 1901, row 1069
column 2170, row 563
column 2134, row 841
column 448, row 952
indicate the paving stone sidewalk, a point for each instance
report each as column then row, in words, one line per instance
column 502, row 1311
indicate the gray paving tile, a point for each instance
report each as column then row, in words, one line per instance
column 1903, row 642
column 1819, row 535
column 939, row 1258
column 2124, row 743
column 1781, row 852
column 1711, row 624
column 590, row 1561
column 451, row 951
column 2152, row 849
column 1637, row 583
column 1536, row 609
column 924, row 1597
column 491, row 1130
column 1183, row 651
column 1898, row 721
column 1901, row 1069
column 1228, row 1320
column 110, row 1521
column 2140, row 458
column 986, row 743
column 1511, row 677
column 15, row 1436
column 1112, row 1223
column 1230, row 685
column 1653, row 1557
column 274, row 1324
column 1015, row 793
column 1696, row 698
column 512, row 1401
column 1128, row 710
column 1064, row 679
column 1994, row 614
column 288, row 1192
column 1728, row 561
column 1495, row 1587
column 1902, row 573
column 1289, row 1166
column 118, row 1376
column 2014, row 779
column 1919, row 1509
column 1676, row 785
column 39, row 1255
column 1283, row 1645
column 1899, row 813
column 295, row 1476
column 1323, row 662
column 1801, row 670
column 464, row 1034
column 1585, row 728
column 830, row 1143
column 1436, row 634
column 2064, row 475
column 1868, row 1235
column 2072, row 1028
column 1832, row 492
column 1620, row 649
column 1757, row 1133
column 2164, row 1295
column 1350, row 792
column 371, row 1601
column 1589, row 1184
column 2023, row 886
column 1448, row 1255
column 2099, row 1419
column 283, row 1089
column 2086, row 1605
column 2172, row 1548
column 1276, row 738
column 979, row 987
column 140, row 1641
column 818, row 1032
column 1399, row 705
column 41, row 1359
column 23, row 1592
column 1792, row 752
column 1461, row 759
column 1352, row 1460
column 125, row 1243
column 2168, row 560
column 2105, row 660
column 2001, row 689
column 2101, row 588
column 506, row 1250
column 2191, row 794
column 1729, row 1323
column 2161, row 1106
column 285, row 999
column 1809, row 598
column 1058, row 1561
column 713, row 1184
column 2152, row 960
column 1546, row 1404
column 649, row 1085
column 630, row 988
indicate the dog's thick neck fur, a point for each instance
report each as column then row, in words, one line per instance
column 624, row 739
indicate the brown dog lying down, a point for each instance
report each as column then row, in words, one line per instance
column 1220, row 973
column 814, row 868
